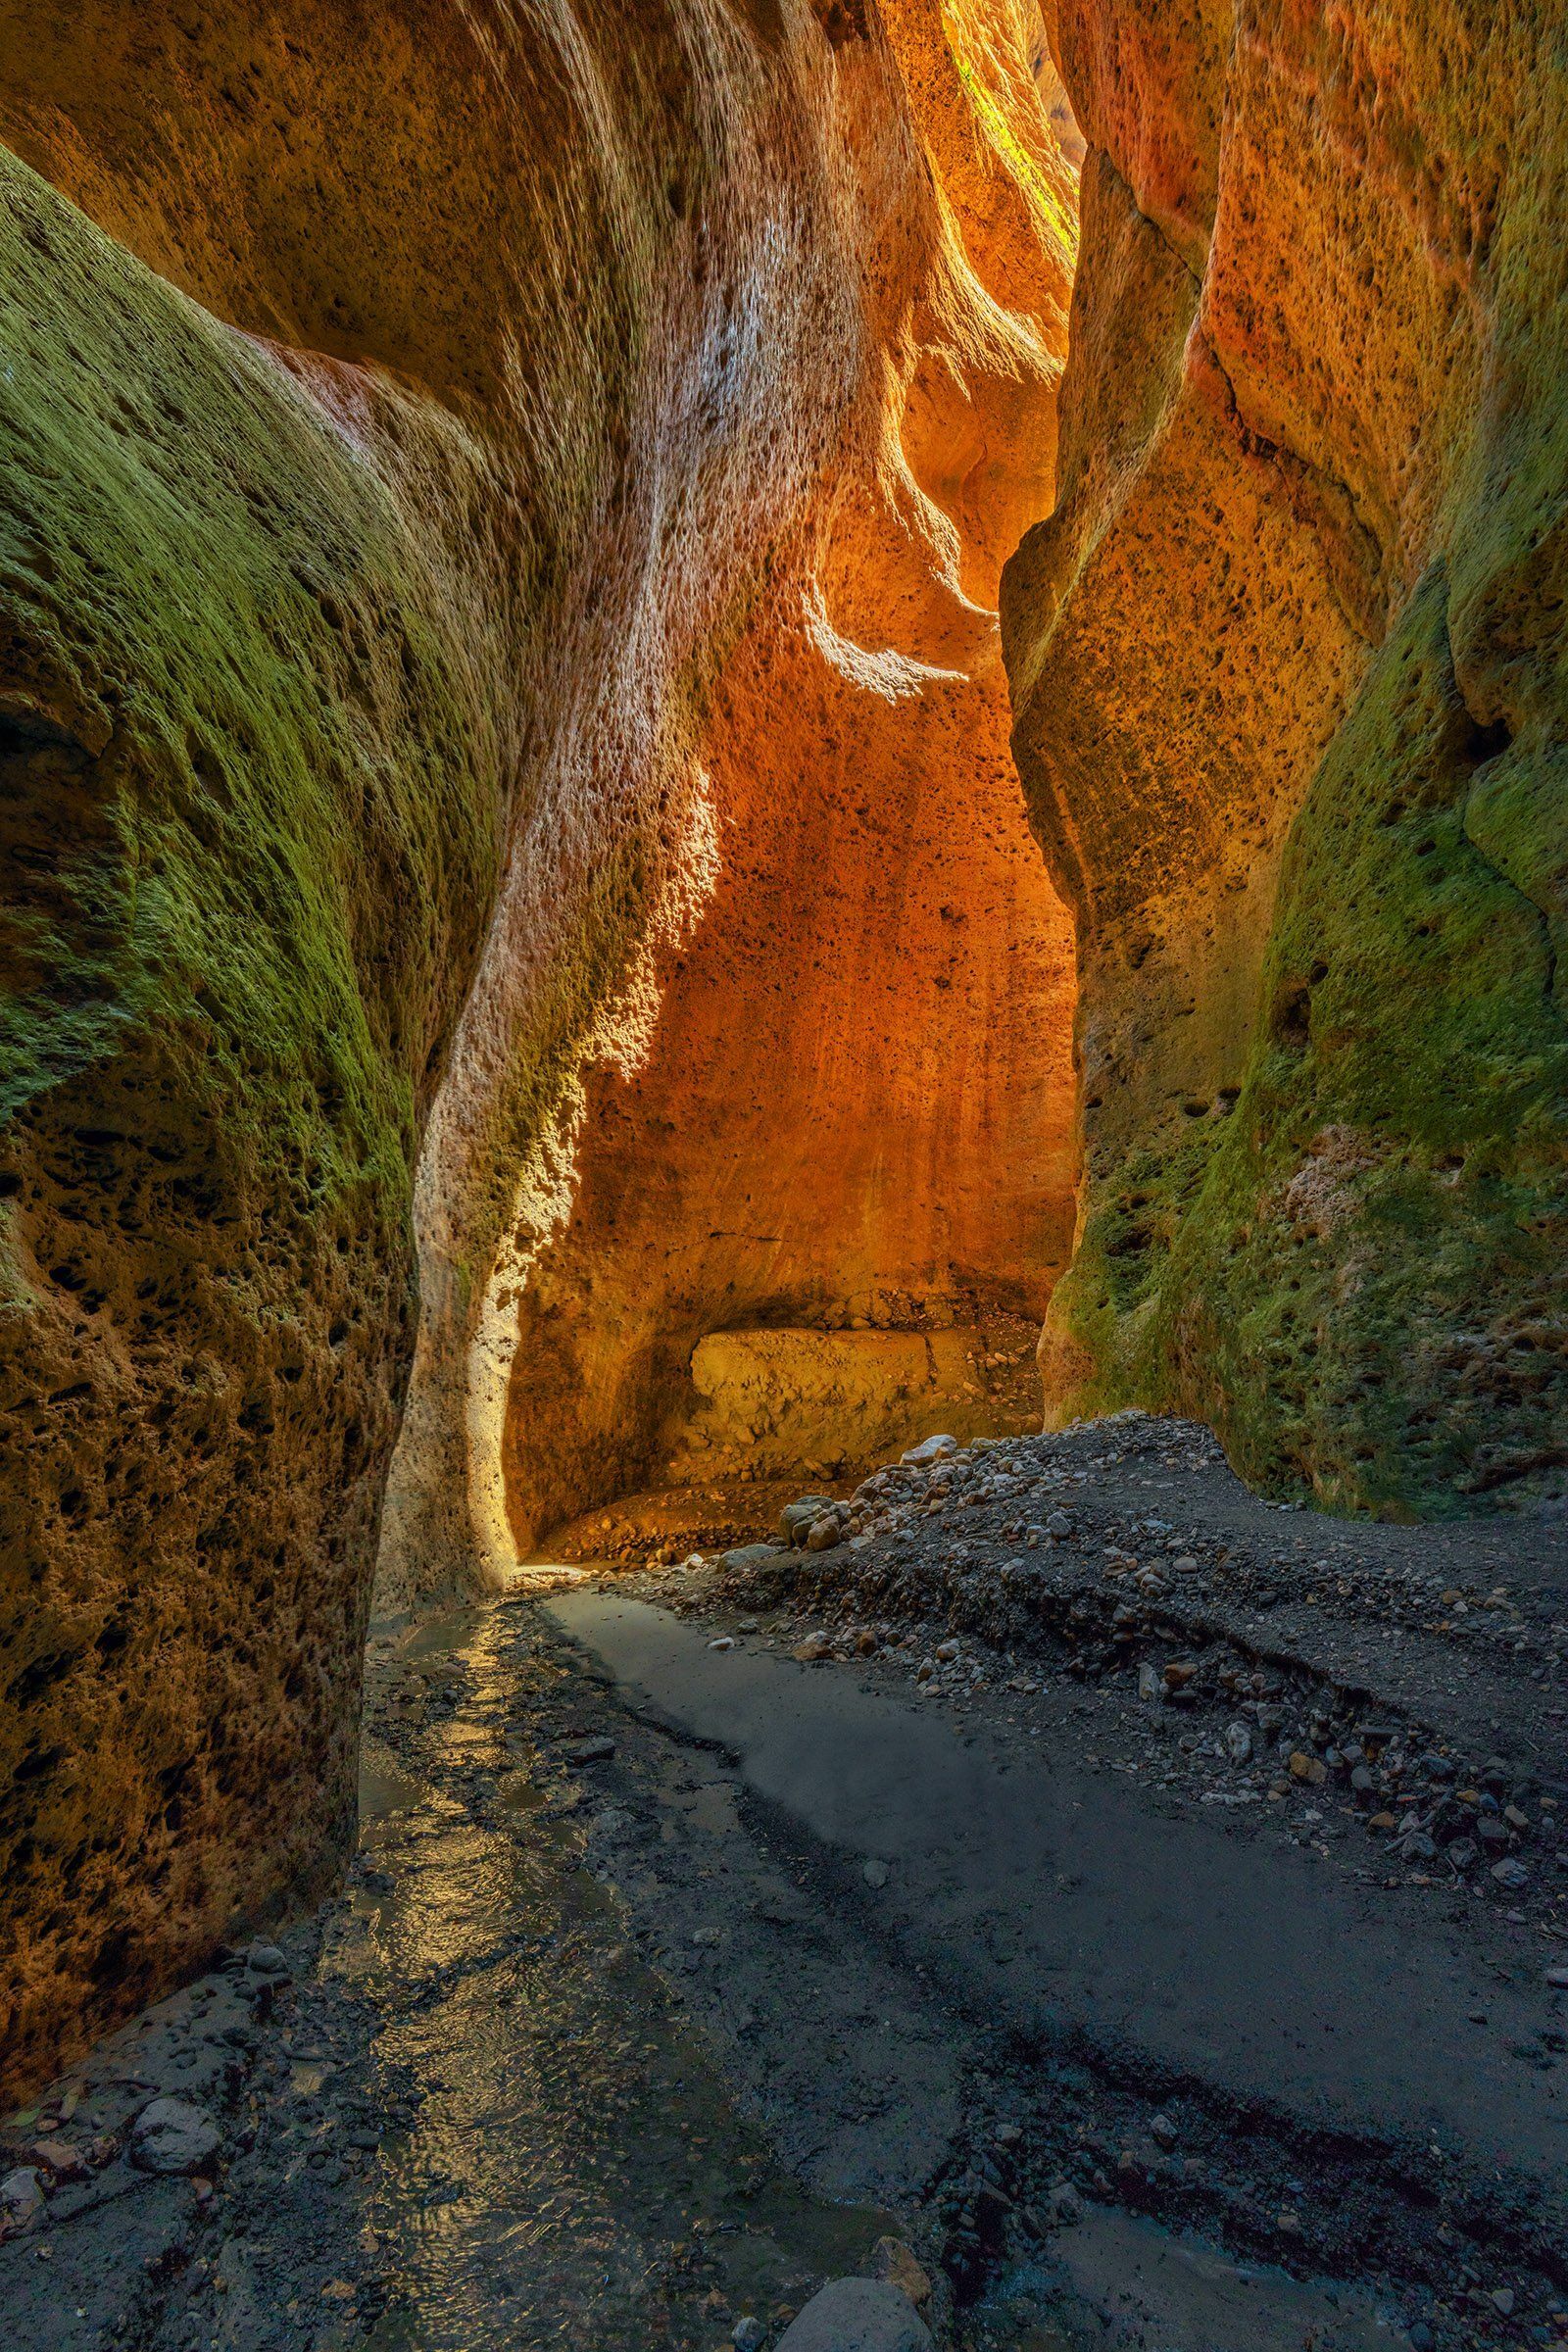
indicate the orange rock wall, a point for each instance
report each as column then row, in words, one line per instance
column 1286, row 667
column 857, row 1104
column 412, row 417
column 846, row 1094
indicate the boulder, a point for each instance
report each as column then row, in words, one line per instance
column 21, row 2197
column 748, row 1560
column 858, row 2315
column 797, row 1519
column 171, row 2136
column 929, row 1450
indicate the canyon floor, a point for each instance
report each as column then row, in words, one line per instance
column 1123, row 1913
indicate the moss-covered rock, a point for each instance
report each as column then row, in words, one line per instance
column 249, row 830
column 1355, row 1267
column 1289, row 674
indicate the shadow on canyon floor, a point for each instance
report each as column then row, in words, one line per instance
column 1130, row 1908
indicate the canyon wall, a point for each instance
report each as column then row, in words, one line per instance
column 410, row 418
column 1288, row 668
column 500, row 515
column 822, row 1211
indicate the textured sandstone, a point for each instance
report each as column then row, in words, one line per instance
column 1286, row 664
column 845, row 1094
column 410, row 418
column 234, row 914
column 500, row 520
column 855, row 1105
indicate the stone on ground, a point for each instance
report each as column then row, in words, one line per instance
column 858, row 2315
column 171, row 2135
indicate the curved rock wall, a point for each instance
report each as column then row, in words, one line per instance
column 842, row 1093
column 854, row 1110
column 408, row 414
column 252, row 796
column 1287, row 661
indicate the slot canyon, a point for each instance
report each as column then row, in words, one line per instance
column 784, row 1175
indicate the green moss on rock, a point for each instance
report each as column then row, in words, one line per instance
column 1355, row 1270
column 249, row 835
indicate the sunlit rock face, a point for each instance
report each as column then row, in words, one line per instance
column 1288, row 668
column 853, row 1111
column 844, row 1101
column 449, row 461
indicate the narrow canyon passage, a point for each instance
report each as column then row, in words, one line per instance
column 815, row 1178
column 783, row 1176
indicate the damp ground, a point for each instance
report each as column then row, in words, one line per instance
column 713, row 1931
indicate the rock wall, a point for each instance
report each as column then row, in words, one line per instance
column 1286, row 663
column 500, row 516
column 854, row 1109
column 847, row 1099
column 407, row 415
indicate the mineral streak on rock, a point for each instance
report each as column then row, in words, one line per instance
column 423, row 428
column 1287, row 663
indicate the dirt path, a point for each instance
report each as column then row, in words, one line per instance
column 1061, row 1901
column 678, row 1970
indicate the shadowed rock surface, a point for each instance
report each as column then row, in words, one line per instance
column 1286, row 663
